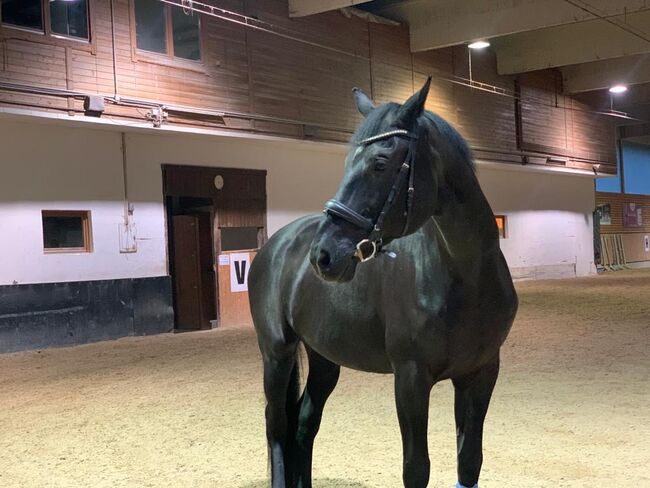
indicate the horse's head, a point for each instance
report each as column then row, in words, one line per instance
column 387, row 190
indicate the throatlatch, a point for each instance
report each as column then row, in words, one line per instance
column 369, row 247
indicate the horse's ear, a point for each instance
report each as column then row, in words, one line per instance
column 364, row 102
column 413, row 107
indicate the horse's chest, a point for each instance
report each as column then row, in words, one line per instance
column 345, row 330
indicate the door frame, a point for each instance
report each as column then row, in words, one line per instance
column 200, row 182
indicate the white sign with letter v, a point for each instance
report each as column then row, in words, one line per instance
column 240, row 263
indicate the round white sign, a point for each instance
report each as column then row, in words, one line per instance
column 218, row 182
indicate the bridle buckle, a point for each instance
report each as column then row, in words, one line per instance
column 365, row 244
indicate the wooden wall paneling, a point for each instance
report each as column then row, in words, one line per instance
column 330, row 28
column 242, row 213
column 391, row 83
column 198, row 181
column 234, row 308
column 485, row 119
column 391, row 63
column 390, row 45
column 33, row 63
column 567, row 126
column 3, row 54
column 27, row 101
column 594, row 136
column 306, row 83
column 543, row 114
column 439, row 64
column 246, row 71
column 616, row 202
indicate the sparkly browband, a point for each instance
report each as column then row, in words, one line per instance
column 386, row 135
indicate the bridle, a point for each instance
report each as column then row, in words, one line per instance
column 369, row 247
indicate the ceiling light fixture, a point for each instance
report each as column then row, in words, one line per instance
column 618, row 89
column 478, row 45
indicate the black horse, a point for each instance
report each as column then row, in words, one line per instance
column 437, row 302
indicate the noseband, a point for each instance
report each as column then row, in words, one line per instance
column 369, row 247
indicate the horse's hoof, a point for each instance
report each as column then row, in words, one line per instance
column 458, row 485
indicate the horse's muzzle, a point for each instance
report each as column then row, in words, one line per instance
column 333, row 264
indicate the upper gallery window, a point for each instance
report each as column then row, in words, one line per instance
column 67, row 18
column 166, row 29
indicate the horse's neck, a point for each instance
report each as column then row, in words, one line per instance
column 465, row 223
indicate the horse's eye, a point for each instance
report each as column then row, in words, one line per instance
column 380, row 164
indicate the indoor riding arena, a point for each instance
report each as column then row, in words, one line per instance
column 465, row 166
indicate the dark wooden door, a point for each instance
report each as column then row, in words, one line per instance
column 194, row 279
column 187, row 271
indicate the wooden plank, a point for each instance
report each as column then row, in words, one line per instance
column 234, row 309
column 634, row 247
column 197, row 181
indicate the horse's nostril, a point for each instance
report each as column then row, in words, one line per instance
column 324, row 259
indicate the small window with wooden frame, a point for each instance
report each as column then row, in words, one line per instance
column 166, row 34
column 60, row 22
column 67, row 231
column 501, row 221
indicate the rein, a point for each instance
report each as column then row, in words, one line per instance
column 369, row 247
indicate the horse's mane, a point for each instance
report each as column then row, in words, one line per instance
column 458, row 146
column 381, row 118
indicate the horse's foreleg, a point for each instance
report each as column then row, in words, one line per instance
column 472, row 397
column 412, row 388
column 323, row 376
column 280, row 369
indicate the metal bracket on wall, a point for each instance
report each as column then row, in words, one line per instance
column 157, row 116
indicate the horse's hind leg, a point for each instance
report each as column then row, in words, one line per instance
column 280, row 384
column 321, row 381
column 472, row 397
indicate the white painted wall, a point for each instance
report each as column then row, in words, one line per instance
column 52, row 166
column 58, row 166
column 549, row 220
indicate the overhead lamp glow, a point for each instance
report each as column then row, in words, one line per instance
column 618, row 89
column 478, row 45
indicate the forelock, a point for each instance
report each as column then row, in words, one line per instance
column 376, row 122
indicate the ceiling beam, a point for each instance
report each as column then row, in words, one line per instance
column 598, row 75
column 301, row 8
column 635, row 131
column 573, row 44
column 442, row 23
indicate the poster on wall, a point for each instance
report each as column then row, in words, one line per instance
column 632, row 215
column 239, row 266
column 605, row 213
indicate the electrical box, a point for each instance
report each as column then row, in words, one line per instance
column 128, row 243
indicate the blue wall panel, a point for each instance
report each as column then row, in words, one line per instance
column 636, row 158
column 611, row 184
